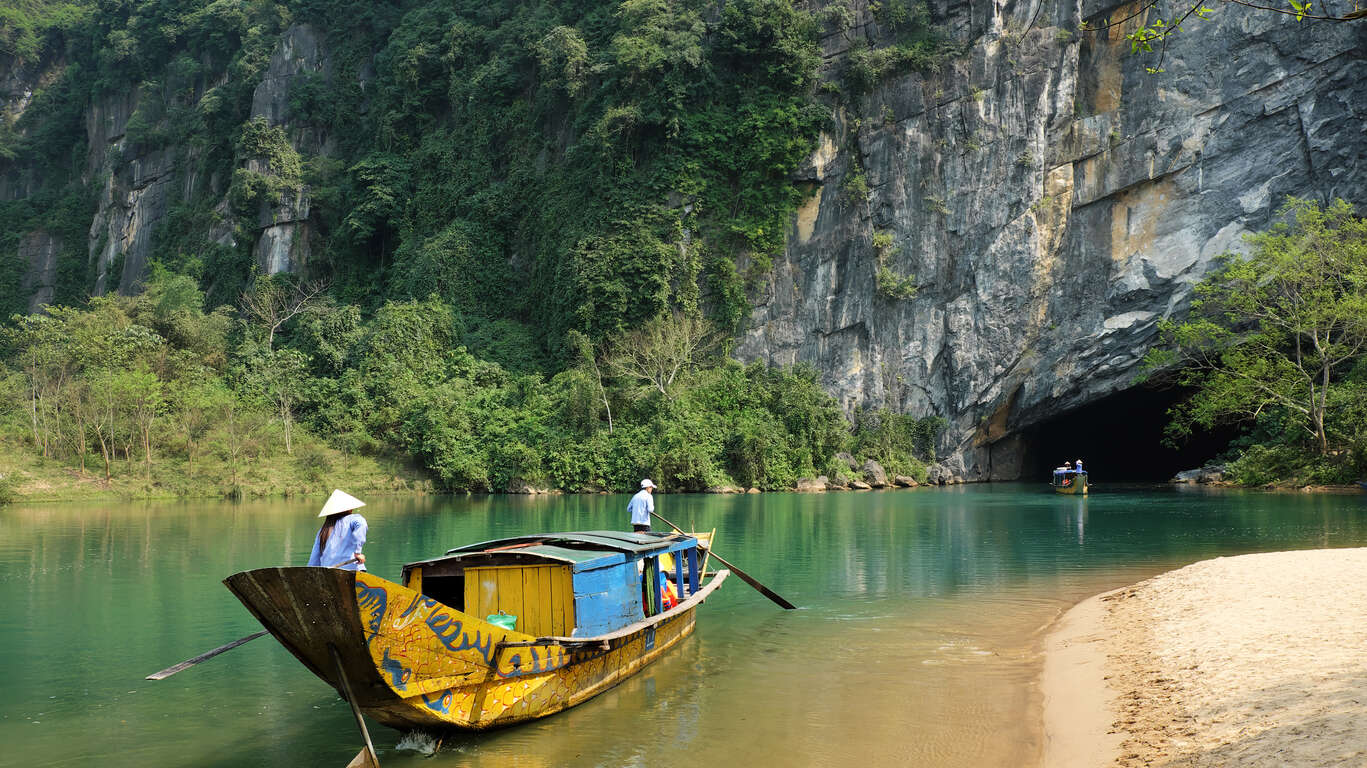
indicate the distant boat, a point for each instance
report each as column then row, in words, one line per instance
column 1070, row 481
column 490, row 634
column 1362, row 484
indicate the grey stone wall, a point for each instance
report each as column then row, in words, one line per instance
column 1054, row 202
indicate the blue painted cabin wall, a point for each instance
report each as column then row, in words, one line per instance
column 606, row 599
column 607, row 590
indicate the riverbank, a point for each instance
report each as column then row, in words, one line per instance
column 313, row 469
column 1251, row 660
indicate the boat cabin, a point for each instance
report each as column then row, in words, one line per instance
column 1070, row 480
column 564, row 584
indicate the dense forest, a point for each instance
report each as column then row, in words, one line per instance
column 535, row 228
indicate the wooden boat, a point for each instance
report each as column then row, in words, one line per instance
column 1069, row 481
column 587, row 609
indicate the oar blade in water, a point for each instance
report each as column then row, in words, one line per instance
column 363, row 759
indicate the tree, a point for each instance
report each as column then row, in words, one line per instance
column 198, row 407
column 284, row 378
column 143, row 399
column 1277, row 329
column 667, row 346
column 564, row 57
column 39, row 348
column 273, row 301
column 102, row 401
column 589, row 360
column 239, row 429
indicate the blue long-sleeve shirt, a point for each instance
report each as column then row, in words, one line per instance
column 640, row 507
column 346, row 541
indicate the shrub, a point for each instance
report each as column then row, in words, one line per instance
column 9, row 489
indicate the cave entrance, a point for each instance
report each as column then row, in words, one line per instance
column 1119, row 439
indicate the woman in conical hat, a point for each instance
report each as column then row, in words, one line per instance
column 339, row 541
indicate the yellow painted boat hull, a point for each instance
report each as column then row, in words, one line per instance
column 413, row 662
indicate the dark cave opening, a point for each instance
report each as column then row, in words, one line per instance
column 1119, row 439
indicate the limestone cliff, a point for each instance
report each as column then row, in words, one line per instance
column 1053, row 202
column 1040, row 201
column 136, row 182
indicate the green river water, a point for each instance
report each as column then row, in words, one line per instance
column 917, row 641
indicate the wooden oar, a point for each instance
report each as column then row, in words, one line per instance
column 366, row 758
column 165, row 673
column 184, row 665
column 745, row 577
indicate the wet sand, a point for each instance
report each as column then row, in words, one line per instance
column 1258, row 660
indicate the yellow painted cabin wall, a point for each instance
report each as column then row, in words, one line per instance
column 540, row 596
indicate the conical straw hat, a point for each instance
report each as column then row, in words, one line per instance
column 340, row 501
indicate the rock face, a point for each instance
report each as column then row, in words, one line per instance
column 283, row 242
column 1048, row 199
column 1053, row 202
column 39, row 251
column 139, row 181
column 1204, row 475
column 874, row 474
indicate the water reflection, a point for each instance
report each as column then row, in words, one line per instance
column 916, row 642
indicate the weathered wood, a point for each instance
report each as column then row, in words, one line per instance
column 363, row 759
column 355, row 710
column 184, row 665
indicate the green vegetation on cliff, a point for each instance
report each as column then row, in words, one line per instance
column 584, row 166
column 531, row 230
column 1277, row 341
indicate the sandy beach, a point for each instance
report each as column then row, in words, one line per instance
column 1258, row 660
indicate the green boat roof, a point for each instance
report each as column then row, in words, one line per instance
column 581, row 549
column 580, row 545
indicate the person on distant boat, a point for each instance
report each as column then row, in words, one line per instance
column 1079, row 464
column 641, row 505
column 340, row 539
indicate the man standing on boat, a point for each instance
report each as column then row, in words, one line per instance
column 340, row 539
column 641, row 505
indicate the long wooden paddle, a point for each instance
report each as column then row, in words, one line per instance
column 366, row 757
column 165, row 673
column 184, row 665
column 745, row 577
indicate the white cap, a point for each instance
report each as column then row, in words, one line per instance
column 340, row 501
column 647, row 484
